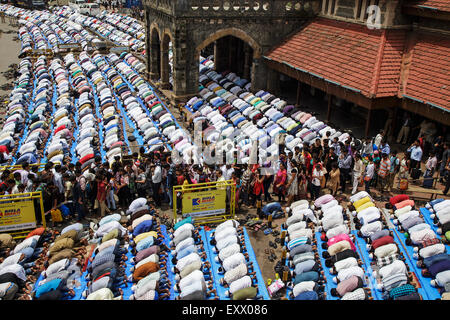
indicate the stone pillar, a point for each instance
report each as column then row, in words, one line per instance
column 185, row 68
column 259, row 75
column 273, row 81
column 154, row 58
column 247, row 61
column 147, row 43
column 369, row 115
column 216, row 54
column 299, row 93
column 330, row 99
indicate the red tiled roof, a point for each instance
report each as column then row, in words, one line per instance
column 428, row 77
column 440, row 5
column 348, row 54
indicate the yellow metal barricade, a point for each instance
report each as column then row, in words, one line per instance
column 15, row 167
column 209, row 202
column 17, row 213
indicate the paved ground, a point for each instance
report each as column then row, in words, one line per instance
column 9, row 50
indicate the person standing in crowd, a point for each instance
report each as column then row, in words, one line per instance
column 367, row 147
column 383, row 171
column 245, row 184
column 344, row 162
column 415, row 155
column 156, row 183
column 443, row 162
column 378, row 139
column 292, row 186
column 111, row 189
column 329, row 158
column 334, row 181
column 395, row 167
column 358, row 170
column 430, row 165
column 279, row 185
column 257, row 187
column 100, row 201
column 316, row 181
column 403, row 172
column 267, row 182
column 171, row 180
column 447, row 177
column 368, row 175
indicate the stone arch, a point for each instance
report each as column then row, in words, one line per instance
column 238, row 33
column 166, row 38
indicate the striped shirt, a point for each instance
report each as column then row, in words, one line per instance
column 296, row 242
column 298, row 258
column 394, row 281
column 385, row 167
column 428, row 242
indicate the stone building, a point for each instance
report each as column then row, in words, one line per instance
column 380, row 57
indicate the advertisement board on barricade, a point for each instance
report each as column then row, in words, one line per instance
column 18, row 212
column 209, row 202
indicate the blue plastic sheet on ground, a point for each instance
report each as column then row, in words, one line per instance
column 426, row 215
column 328, row 276
column 169, row 264
column 82, row 285
column 206, row 237
column 220, row 290
column 364, row 255
column 426, row 290
column 262, row 290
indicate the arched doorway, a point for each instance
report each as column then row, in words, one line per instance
column 233, row 50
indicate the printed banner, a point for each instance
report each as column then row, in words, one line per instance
column 204, row 202
column 17, row 215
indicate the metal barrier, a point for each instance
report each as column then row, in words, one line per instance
column 206, row 202
column 14, row 167
column 17, row 213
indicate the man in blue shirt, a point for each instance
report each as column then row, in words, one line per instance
column 274, row 209
column 416, row 154
column 344, row 163
column 384, row 147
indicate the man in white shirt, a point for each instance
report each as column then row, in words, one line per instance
column 358, row 169
column 431, row 164
column 379, row 138
column 156, row 183
column 57, row 179
column 227, row 170
column 370, row 170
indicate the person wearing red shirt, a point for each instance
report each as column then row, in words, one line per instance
column 100, row 201
column 279, row 185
